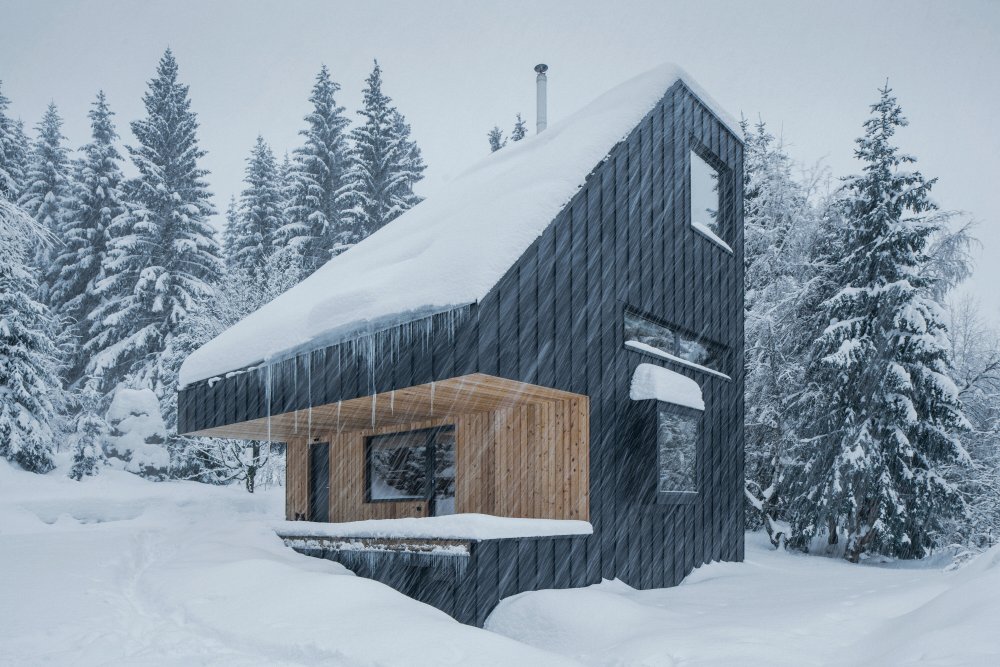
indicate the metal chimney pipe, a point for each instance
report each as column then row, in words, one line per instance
column 541, row 112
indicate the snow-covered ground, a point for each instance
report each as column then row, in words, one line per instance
column 117, row 570
column 775, row 608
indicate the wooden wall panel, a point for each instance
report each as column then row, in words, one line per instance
column 296, row 479
column 504, row 466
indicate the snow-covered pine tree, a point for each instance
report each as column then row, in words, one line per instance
column 411, row 164
column 781, row 225
column 48, row 186
column 13, row 153
column 21, row 154
column 89, row 436
column 260, row 215
column 85, row 236
column 164, row 258
column 520, row 129
column 975, row 348
column 385, row 163
column 880, row 412
column 231, row 231
column 315, row 227
column 496, row 139
column 30, row 388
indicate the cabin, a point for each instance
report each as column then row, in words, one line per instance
column 532, row 380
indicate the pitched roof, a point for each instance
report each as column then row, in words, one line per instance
column 451, row 249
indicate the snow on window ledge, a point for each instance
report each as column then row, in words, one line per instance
column 660, row 354
column 711, row 236
column 450, row 527
column 657, row 383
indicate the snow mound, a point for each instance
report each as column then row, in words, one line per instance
column 196, row 577
column 454, row 526
column 656, row 383
column 137, row 433
column 451, row 249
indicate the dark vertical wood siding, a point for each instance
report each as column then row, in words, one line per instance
column 554, row 319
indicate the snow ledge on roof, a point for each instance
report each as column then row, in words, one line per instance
column 666, row 356
column 451, row 249
column 656, row 383
column 451, row 527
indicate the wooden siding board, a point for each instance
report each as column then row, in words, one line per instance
column 527, row 316
column 507, row 564
column 545, row 327
column 487, row 579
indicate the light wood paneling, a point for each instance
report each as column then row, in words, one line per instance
column 504, row 465
column 297, row 480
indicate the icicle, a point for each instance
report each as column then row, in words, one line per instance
column 432, row 398
column 392, row 402
column 267, row 397
column 309, row 428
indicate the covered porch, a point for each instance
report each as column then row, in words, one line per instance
column 470, row 444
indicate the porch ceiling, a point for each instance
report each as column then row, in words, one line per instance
column 477, row 392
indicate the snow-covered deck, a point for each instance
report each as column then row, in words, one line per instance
column 469, row 527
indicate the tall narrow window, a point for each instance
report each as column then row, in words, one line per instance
column 677, row 450
column 704, row 194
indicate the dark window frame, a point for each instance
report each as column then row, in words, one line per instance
column 679, row 497
column 725, row 195
column 723, row 351
column 430, row 466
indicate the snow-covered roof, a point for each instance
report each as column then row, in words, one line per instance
column 450, row 250
column 656, row 383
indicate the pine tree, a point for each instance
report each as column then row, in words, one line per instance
column 780, row 229
column 520, row 129
column 13, row 153
column 85, row 236
column 90, row 435
column 316, row 191
column 385, row 163
column 164, row 259
column 880, row 410
column 231, row 232
column 261, row 215
column 47, row 193
column 495, row 137
column 30, row 390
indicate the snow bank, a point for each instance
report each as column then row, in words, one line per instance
column 451, row 249
column 117, row 570
column 777, row 608
column 455, row 526
column 656, row 383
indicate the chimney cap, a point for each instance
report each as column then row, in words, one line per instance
column 541, row 68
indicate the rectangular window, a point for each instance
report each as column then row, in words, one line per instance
column 705, row 199
column 674, row 343
column 413, row 465
column 676, row 451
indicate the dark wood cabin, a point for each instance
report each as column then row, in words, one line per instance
column 521, row 404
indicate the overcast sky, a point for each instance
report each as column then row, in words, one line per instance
column 455, row 69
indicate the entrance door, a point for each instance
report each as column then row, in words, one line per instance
column 319, row 482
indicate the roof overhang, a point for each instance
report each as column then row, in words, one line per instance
column 466, row 394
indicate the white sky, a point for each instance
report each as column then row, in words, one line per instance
column 457, row 68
